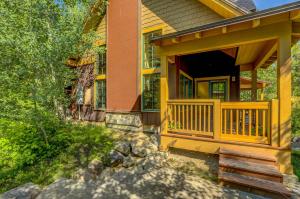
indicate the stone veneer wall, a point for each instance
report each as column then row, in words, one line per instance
column 124, row 121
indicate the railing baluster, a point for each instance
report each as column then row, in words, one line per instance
column 225, row 121
column 243, row 123
column 264, row 123
column 192, row 118
column 237, row 121
column 256, row 122
column 175, row 116
column 204, row 119
column 196, row 117
column 179, row 117
column 231, row 121
column 200, row 118
column 208, row 119
column 250, row 122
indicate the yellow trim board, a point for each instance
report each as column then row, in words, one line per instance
column 225, row 9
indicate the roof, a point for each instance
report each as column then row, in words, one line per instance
column 235, row 20
column 244, row 4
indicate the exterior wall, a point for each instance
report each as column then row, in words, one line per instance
column 122, row 56
column 176, row 15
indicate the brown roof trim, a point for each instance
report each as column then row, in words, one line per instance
column 255, row 15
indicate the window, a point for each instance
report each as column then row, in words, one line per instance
column 151, row 92
column 151, row 57
column 218, row 89
column 185, row 86
column 101, row 65
column 100, row 94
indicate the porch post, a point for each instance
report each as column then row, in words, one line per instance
column 164, row 93
column 254, row 85
column 284, row 91
column 284, row 62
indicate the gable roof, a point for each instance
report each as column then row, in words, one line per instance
column 244, row 4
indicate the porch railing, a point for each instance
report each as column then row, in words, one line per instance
column 246, row 121
column 193, row 117
column 236, row 121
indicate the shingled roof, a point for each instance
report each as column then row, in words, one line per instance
column 244, row 4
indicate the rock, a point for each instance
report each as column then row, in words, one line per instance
column 83, row 175
column 154, row 139
column 95, row 166
column 26, row 191
column 116, row 158
column 68, row 189
column 123, row 147
column 142, row 148
column 128, row 162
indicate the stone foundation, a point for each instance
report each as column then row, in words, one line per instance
column 124, row 121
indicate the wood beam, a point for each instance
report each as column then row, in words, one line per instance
column 224, row 29
column 269, row 49
column 222, row 8
column 246, row 67
column 175, row 40
column 255, row 23
column 294, row 15
column 198, row 35
column 296, row 29
column 230, row 40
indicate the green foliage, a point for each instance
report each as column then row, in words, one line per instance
column 296, row 162
column 26, row 158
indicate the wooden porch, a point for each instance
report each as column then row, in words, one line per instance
column 206, row 125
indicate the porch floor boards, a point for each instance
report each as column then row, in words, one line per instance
column 254, row 171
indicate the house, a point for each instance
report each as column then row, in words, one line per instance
column 174, row 66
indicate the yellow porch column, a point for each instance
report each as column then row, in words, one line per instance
column 284, row 63
column 164, row 95
column 254, row 85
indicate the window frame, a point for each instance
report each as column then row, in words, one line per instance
column 100, row 77
column 211, row 79
column 148, row 71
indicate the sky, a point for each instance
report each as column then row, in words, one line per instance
column 264, row 4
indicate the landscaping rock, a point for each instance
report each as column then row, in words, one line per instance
column 95, row 166
column 154, row 139
column 67, row 189
column 123, row 147
column 116, row 158
column 128, row 162
column 26, row 191
column 142, row 148
column 83, row 175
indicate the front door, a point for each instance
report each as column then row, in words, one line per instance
column 212, row 89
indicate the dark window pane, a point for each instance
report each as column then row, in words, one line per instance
column 101, row 65
column 151, row 56
column 151, row 92
column 100, row 94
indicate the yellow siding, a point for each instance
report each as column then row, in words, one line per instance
column 101, row 30
column 176, row 15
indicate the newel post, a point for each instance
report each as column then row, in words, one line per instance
column 164, row 94
column 274, row 123
column 217, row 119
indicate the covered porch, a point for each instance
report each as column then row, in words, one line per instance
column 201, row 107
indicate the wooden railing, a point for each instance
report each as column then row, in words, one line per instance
column 194, row 117
column 246, row 121
column 254, row 122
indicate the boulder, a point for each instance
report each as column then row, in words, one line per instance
column 26, row 191
column 115, row 158
column 154, row 139
column 83, row 175
column 95, row 166
column 142, row 148
column 128, row 162
column 123, row 147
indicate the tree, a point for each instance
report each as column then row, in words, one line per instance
column 36, row 39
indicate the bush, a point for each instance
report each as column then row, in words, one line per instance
column 25, row 157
